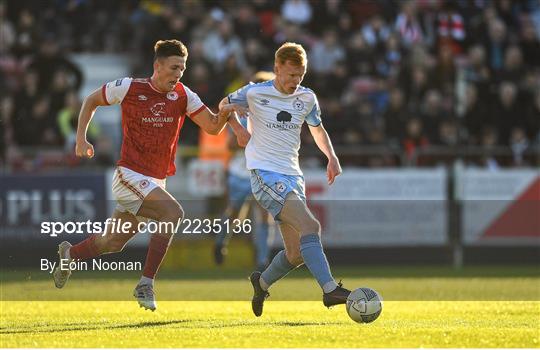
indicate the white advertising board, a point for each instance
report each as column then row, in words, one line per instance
column 395, row 207
column 501, row 207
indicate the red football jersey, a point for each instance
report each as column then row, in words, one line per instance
column 151, row 123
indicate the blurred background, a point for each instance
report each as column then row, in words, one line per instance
column 433, row 107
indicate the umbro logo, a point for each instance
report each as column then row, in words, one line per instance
column 142, row 98
column 264, row 102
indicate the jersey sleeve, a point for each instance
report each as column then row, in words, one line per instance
column 114, row 92
column 194, row 103
column 313, row 118
column 239, row 97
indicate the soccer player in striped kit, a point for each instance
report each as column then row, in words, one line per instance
column 153, row 111
column 278, row 109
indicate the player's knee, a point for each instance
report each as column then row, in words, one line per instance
column 172, row 213
column 311, row 226
column 101, row 243
column 294, row 258
column 115, row 246
column 108, row 244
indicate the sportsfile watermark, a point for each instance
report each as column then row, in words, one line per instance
column 113, row 225
column 405, row 250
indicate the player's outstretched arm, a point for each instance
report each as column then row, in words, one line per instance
column 83, row 148
column 242, row 135
column 211, row 123
column 215, row 123
column 325, row 145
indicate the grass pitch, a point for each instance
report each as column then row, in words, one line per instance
column 444, row 318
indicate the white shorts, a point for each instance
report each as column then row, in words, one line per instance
column 130, row 188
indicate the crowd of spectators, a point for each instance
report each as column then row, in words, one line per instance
column 400, row 74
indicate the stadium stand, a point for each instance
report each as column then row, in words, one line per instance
column 406, row 80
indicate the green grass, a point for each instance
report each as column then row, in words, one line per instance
column 423, row 308
column 284, row 324
column 396, row 284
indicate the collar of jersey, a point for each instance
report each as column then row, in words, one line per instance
column 281, row 93
column 157, row 90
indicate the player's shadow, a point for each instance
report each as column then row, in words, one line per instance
column 73, row 327
column 270, row 324
column 67, row 327
column 302, row 324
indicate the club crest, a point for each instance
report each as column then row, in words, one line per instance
column 298, row 104
column 172, row 95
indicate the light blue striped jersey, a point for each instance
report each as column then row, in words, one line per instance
column 275, row 123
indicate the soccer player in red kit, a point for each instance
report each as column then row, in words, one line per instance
column 153, row 111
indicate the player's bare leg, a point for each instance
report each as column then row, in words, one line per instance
column 297, row 214
column 95, row 245
column 115, row 241
column 159, row 205
column 284, row 262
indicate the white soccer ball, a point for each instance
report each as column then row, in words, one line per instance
column 364, row 305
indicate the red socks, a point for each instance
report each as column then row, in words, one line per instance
column 157, row 248
column 84, row 250
column 156, row 252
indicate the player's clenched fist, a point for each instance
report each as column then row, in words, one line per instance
column 84, row 149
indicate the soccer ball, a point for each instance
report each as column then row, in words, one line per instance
column 364, row 305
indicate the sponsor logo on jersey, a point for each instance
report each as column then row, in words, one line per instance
column 157, row 119
column 142, row 98
column 298, row 104
column 172, row 95
column 158, row 122
column 284, row 118
column 283, row 126
column 264, row 102
column 118, row 82
column 158, row 108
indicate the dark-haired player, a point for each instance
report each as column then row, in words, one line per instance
column 153, row 111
